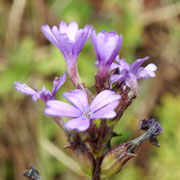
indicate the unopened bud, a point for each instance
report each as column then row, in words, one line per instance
column 115, row 159
column 85, row 161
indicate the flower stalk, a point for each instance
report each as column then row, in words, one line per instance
column 74, row 74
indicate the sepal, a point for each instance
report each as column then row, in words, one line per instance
column 114, row 160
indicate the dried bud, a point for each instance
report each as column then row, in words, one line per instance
column 32, row 173
column 115, row 159
column 153, row 127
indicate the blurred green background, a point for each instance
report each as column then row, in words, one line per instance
column 28, row 137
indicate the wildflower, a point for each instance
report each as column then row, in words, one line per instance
column 67, row 38
column 43, row 94
column 102, row 107
column 134, row 70
column 70, row 41
column 107, row 46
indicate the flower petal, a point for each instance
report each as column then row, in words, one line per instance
column 102, row 99
column 107, row 112
column 49, row 35
column 151, row 67
column 81, row 124
column 146, row 72
column 52, row 112
column 64, row 43
column 118, row 78
column 70, row 29
column 25, row 89
column 59, row 108
column 114, row 66
column 123, row 65
column 57, row 83
column 78, row 98
column 81, row 38
column 136, row 65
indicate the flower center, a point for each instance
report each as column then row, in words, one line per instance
column 87, row 113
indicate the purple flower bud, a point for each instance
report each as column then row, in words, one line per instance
column 43, row 94
column 107, row 46
column 102, row 107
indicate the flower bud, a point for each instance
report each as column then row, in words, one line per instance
column 85, row 160
column 115, row 159
column 153, row 129
column 82, row 153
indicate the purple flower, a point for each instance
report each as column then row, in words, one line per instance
column 43, row 94
column 67, row 38
column 102, row 107
column 107, row 46
column 135, row 71
column 70, row 41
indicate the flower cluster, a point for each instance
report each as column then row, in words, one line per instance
column 116, row 85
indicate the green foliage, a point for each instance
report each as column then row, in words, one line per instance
column 51, row 166
column 86, row 66
column 19, row 66
column 129, row 172
column 78, row 9
column 51, row 63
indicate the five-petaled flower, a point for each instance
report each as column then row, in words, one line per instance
column 102, row 107
column 68, row 38
column 43, row 94
column 70, row 41
column 134, row 71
